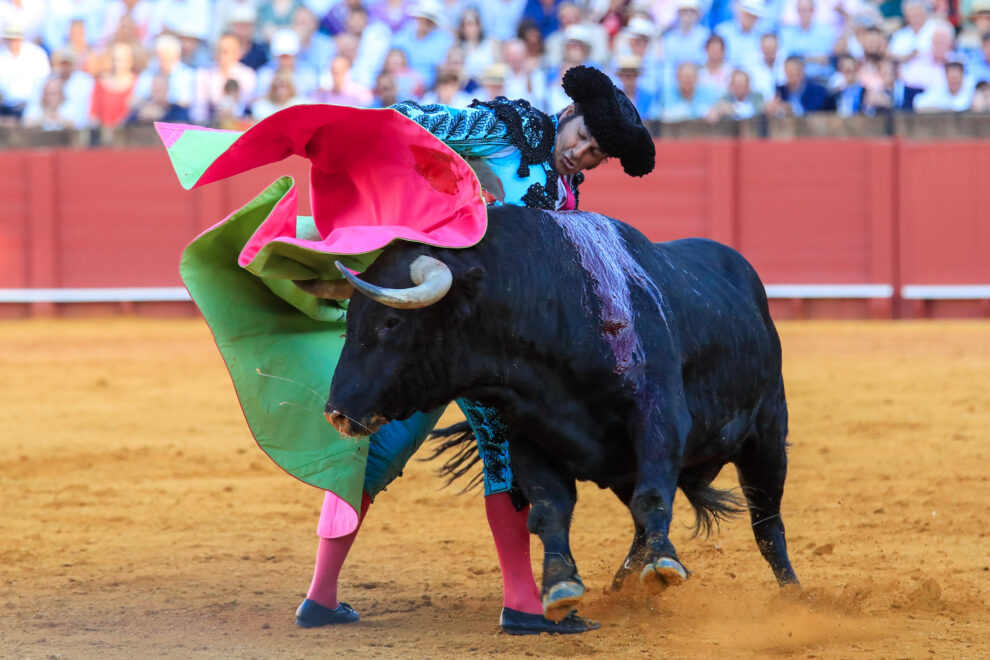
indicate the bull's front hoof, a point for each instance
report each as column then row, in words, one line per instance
column 662, row 573
column 561, row 599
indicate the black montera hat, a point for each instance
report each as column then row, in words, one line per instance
column 612, row 119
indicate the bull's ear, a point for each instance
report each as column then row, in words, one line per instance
column 469, row 285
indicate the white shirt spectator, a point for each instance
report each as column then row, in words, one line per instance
column 764, row 79
column 28, row 14
column 188, row 17
column 939, row 98
column 905, row 41
column 500, row 18
column 22, row 75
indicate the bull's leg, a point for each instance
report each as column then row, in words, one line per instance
column 636, row 558
column 762, row 468
column 552, row 495
column 761, row 475
column 659, row 434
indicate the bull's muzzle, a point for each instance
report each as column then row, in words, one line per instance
column 350, row 427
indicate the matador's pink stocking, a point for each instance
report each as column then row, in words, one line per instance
column 330, row 556
column 511, row 534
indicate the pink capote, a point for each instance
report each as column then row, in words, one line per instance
column 376, row 176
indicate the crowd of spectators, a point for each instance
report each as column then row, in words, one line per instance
column 86, row 63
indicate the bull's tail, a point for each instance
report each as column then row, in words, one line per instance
column 711, row 505
column 460, row 440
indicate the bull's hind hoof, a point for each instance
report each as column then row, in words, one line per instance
column 561, row 599
column 662, row 573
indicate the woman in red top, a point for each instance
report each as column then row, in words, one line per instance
column 110, row 104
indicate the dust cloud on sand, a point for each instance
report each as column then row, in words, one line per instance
column 138, row 518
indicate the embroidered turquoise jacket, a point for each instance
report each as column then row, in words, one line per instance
column 509, row 144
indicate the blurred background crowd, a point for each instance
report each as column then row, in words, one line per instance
column 227, row 63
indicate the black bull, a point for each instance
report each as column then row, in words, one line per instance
column 638, row 366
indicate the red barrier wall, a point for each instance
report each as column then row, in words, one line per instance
column 810, row 212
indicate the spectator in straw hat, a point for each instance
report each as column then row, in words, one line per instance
column 685, row 42
column 641, row 38
column 241, row 21
column 570, row 15
column 23, row 68
column 492, row 82
column 970, row 39
column 425, row 42
column 284, row 49
column 629, row 70
column 741, row 34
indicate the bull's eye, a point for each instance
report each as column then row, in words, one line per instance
column 391, row 322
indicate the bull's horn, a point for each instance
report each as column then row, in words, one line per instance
column 331, row 289
column 431, row 276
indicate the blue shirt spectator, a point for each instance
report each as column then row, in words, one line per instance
column 846, row 92
column 686, row 100
column 814, row 42
column 543, row 13
column 742, row 38
column 685, row 42
column 424, row 43
column 645, row 99
column 799, row 95
column 979, row 65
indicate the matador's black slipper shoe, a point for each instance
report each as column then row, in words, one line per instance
column 313, row 615
column 515, row 622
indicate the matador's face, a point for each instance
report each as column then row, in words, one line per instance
column 575, row 149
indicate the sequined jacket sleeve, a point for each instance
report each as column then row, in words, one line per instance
column 468, row 131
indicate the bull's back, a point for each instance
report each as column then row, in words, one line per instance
column 731, row 361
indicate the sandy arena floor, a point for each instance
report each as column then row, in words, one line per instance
column 138, row 519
